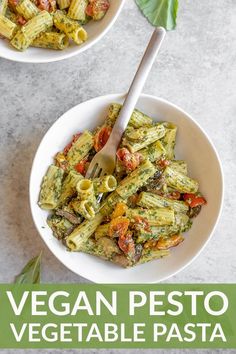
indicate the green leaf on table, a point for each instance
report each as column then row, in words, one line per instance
column 160, row 12
column 31, row 273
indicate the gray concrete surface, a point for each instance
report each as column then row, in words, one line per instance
column 196, row 70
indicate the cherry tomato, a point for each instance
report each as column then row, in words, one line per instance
column 101, row 138
column 129, row 161
column 193, row 200
column 13, row 3
column 121, row 153
column 21, row 20
column 126, row 244
column 43, row 5
column 118, row 226
column 81, row 167
column 141, row 223
column 119, row 210
column 97, row 8
column 163, row 163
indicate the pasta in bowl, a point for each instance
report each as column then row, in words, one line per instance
column 147, row 204
column 49, row 30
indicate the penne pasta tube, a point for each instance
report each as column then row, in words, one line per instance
column 63, row 4
column 82, row 233
column 27, row 9
column 182, row 224
column 155, row 217
column 51, row 188
column 151, row 200
column 130, row 184
column 105, row 184
column 153, row 152
column 142, row 137
column 51, row 40
column 3, row 7
column 85, row 208
column 179, row 166
column 80, row 148
column 85, row 189
column 77, row 10
column 69, row 186
column 179, row 181
column 7, row 27
column 169, row 140
column 137, row 119
column 71, row 28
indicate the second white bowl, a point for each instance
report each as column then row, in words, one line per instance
column 96, row 30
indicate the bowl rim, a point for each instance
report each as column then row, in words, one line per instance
column 72, row 54
column 113, row 97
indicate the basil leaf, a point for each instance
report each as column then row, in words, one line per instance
column 160, row 12
column 31, row 273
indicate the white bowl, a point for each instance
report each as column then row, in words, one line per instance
column 193, row 146
column 96, row 30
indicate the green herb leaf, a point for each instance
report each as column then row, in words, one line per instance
column 160, row 12
column 30, row 274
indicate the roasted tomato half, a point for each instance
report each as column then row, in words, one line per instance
column 172, row 241
column 81, row 167
column 193, row 200
column 129, row 160
column 126, row 244
column 97, row 8
column 101, row 138
column 118, row 226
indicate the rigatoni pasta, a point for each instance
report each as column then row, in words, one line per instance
column 27, row 33
column 179, row 181
column 151, row 200
column 51, row 188
column 51, row 40
column 136, row 179
column 80, row 148
column 63, row 4
column 155, row 217
column 27, row 9
column 85, row 189
column 7, row 27
column 82, row 233
column 137, row 119
column 146, row 204
column 169, row 140
column 77, row 10
column 3, row 7
column 69, row 186
column 70, row 27
column 138, row 139
column 104, row 184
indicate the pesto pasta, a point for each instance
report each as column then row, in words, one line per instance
column 27, row 9
column 48, row 24
column 147, row 203
column 7, row 27
column 3, row 7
